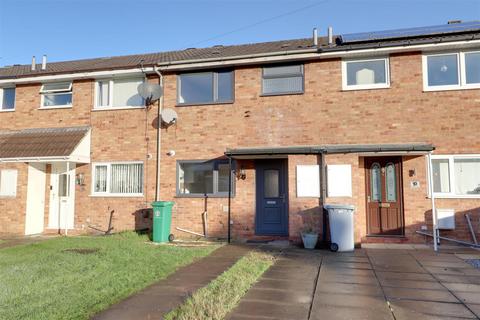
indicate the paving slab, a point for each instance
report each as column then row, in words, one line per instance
column 445, row 278
column 389, row 275
column 152, row 302
column 419, row 294
column 413, row 284
column 429, row 310
column 475, row 308
column 341, row 306
column 271, row 310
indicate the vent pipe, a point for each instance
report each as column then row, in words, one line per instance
column 33, row 63
column 330, row 36
column 44, row 62
column 315, row 37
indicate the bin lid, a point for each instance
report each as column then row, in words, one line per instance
column 162, row 203
column 339, row 206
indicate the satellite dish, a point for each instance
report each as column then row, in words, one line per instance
column 169, row 116
column 149, row 91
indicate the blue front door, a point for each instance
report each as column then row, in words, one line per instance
column 271, row 189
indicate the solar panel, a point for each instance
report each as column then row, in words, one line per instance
column 411, row 32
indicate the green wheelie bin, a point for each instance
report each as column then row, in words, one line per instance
column 162, row 220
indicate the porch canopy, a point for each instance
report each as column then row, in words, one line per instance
column 278, row 152
column 70, row 144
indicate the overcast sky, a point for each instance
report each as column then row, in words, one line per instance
column 77, row 29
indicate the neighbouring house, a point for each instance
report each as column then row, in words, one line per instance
column 282, row 127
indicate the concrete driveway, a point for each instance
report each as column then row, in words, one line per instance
column 365, row 284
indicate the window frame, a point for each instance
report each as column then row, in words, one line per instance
column 462, row 72
column 214, row 86
column 347, row 87
column 14, row 99
column 44, row 92
column 451, row 175
column 215, row 193
column 14, row 195
column 111, row 82
column 94, row 193
column 282, row 93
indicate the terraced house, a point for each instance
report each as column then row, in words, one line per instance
column 265, row 133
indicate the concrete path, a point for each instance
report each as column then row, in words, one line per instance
column 17, row 241
column 157, row 300
column 365, row 284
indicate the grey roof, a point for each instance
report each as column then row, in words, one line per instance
column 331, row 149
column 45, row 142
column 227, row 52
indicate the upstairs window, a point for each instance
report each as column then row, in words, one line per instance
column 278, row 80
column 365, row 74
column 456, row 176
column 7, row 99
column 205, row 88
column 118, row 93
column 450, row 71
column 200, row 178
column 56, row 95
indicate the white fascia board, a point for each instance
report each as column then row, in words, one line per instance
column 78, row 75
column 76, row 159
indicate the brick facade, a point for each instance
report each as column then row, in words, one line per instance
column 324, row 114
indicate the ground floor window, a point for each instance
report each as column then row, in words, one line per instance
column 117, row 178
column 8, row 183
column 456, row 175
column 199, row 178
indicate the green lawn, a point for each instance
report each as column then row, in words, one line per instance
column 223, row 294
column 45, row 280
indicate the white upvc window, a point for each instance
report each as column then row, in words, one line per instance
column 56, row 95
column 451, row 71
column 456, row 176
column 121, row 93
column 117, row 179
column 8, row 183
column 7, row 99
column 362, row 74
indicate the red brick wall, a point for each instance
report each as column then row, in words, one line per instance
column 324, row 114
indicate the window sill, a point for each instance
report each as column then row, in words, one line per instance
column 454, row 196
column 56, row 107
column 116, row 108
column 126, row 195
column 7, row 197
column 450, row 88
column 365, row 87
column 7, row 110
column 202, row 196
column 281, row 94
column 203, row 103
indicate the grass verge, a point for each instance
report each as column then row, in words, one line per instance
column 217, row 299
column 75, row 277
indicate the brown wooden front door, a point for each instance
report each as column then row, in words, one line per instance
column 384, row 196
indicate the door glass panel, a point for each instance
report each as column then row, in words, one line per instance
column 375, row 182
column 271, row 183
column 391, row 183
column 63, row 185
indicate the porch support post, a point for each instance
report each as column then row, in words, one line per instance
column 68, row 202
column 229, row 195
column 434, row 211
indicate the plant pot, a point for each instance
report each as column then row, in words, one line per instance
column 309, row 240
